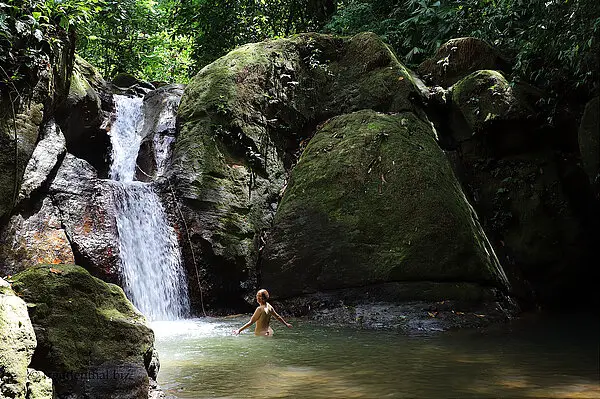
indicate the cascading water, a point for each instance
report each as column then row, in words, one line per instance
column 153, row 275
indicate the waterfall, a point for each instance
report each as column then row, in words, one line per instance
column 150, row 259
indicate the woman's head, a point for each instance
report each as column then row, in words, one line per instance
column 262, row 296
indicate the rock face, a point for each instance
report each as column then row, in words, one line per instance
column 459, row 57
column 589, row 143
column 243, row 120
column 28, row 240
column 18, row 137
column 159, row 129
column 374, row 200
column 91, row 341
column 84, row 116
column 17, row 343
column 46, row 157
column 87, row 209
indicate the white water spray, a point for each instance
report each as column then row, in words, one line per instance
column 151, row 268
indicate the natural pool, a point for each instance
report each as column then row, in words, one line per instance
column 532, row 357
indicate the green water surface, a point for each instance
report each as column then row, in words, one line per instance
column 555, row 357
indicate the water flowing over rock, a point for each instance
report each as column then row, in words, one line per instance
column 151, row 268
column 150, row 260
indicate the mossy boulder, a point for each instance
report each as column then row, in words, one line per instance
column 459, row 57
column 92, row 342
column 245, row 118
column 373, row 199
column 17, row 343
column 84, row 115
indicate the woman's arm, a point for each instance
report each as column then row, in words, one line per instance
column 253, row 319
column 276, row 315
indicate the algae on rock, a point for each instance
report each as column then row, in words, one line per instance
column 372, row 200
column 84, row 325
column 245, row 118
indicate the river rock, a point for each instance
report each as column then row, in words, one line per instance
column 87, row 213
column 92, row 342
column 245, row 118
column 589, row 143
column 48, row 152
column 33, row 238
column 84, row 116
column 459, row 57
column 158, row 132
column 373, row 199
column 17, row 343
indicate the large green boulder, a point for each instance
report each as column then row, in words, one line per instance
column 92, row 342
column 245, row 118
column 17, row 343
column 373, row 199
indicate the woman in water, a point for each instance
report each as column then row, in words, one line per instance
column 262, row 316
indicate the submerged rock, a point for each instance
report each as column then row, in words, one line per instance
column 92, row 342
column 17, row 343
column 373, row 199
column 244, row 120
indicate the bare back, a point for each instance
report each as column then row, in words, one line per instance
column 263, row 318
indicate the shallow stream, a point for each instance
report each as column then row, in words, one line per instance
column 531, row 357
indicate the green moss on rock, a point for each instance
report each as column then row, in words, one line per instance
column 373, row 199
column 243, row 119
column 486, row 96
column 84, row 325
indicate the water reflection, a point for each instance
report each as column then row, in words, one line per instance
column 201, row 359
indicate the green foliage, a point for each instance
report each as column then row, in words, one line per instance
column 217, row 26
column 133, row 36
column 554, row 44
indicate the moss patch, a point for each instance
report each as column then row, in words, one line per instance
column 373, row 199
column 80, row 321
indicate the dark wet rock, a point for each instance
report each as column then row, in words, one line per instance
column 127, row 84
column 92, row 342
column 33, row 238
column 373, row 199
column 589, row 143
column 48, row 152
column 459, row 57
column 410, row 307
column 159, row 129
column 86, row 208
column 17, row 343
column 245, row 118
column 85, row 116
column 485, row 103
